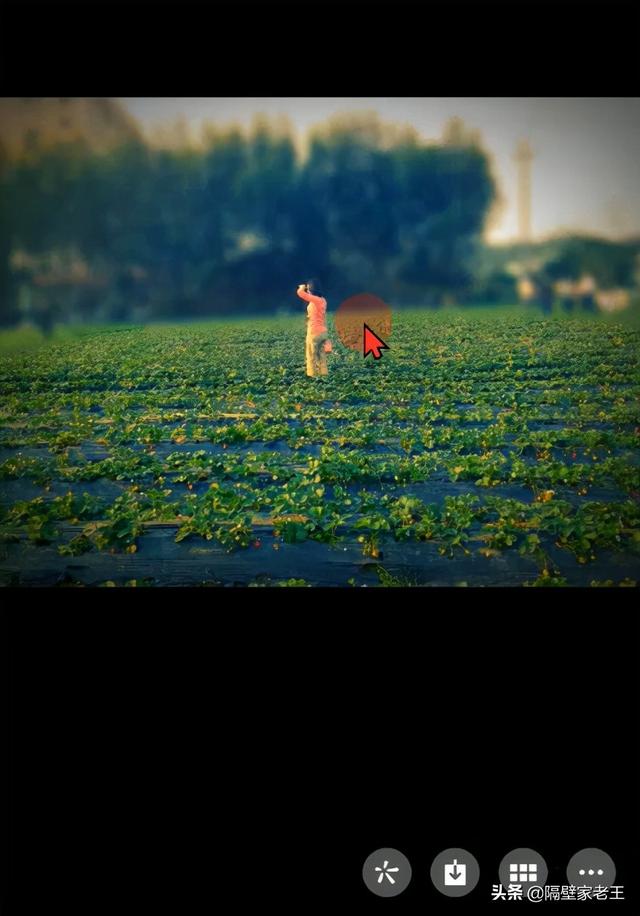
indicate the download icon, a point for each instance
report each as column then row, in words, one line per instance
column 455, row 874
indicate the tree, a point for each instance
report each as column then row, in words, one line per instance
column 8, row 311
column 350, row 177
column 611, row 264
column 445, row 195
column 236, row 223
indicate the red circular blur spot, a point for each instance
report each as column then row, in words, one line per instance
column 356, row 311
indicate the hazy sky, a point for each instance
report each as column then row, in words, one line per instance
column 586, row 170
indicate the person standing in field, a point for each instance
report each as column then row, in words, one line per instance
column 317, row 343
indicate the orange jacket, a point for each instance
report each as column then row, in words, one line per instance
column 316, row 312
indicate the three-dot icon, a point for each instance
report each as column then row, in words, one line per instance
column 591, row 867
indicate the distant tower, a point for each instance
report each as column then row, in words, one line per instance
column 523, row 157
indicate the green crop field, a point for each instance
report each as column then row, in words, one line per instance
column 482, row 449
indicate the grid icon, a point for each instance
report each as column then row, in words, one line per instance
column 520, row 874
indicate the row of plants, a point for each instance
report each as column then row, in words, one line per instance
column 301, row 510
column 343, row 466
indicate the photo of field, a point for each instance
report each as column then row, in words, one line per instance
column 157, row 425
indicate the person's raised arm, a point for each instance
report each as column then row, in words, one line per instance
column 309, row 297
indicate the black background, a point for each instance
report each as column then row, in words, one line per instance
column 175, row 750
column 122, row 48
column 166, row 756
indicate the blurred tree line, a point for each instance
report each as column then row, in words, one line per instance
column 142, row 231
column 568, row 258
column 235, row 224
